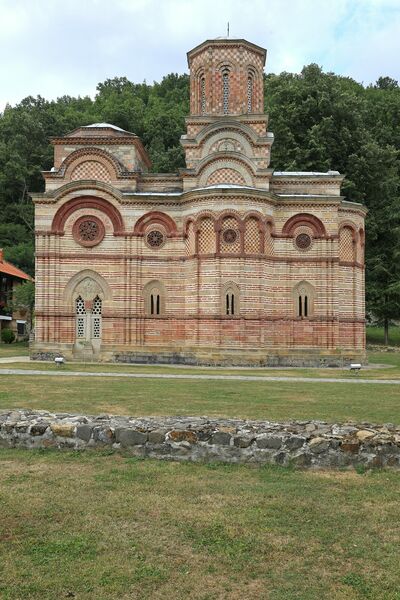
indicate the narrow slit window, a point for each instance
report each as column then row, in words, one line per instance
column 158, row 304
column 300, row 307
column 250, row 94
column 152, row 304
column 230, row 304
column 305, row 306
column 225, row 92
column 203, row 95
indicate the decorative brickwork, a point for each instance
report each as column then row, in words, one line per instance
column 90, row 169
column 252, row 239
column 230, row 239
column 206, row 236
column 347, row 244
column 226, row 176
column 225, row 263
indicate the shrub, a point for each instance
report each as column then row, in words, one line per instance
column 7, row 336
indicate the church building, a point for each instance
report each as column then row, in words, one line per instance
column 227, row 262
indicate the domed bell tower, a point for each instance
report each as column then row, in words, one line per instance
column 226, row 78
column 227, row 115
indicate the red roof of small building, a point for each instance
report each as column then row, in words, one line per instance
column 9, row 269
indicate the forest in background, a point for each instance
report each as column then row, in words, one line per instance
column 320, row 120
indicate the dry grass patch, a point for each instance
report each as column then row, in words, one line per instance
column 108, row 526
column 256, row 399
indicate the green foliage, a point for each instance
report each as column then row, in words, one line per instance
column 7, row 336
column 321, row 121
column 24, row 298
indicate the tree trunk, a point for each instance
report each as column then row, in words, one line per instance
column 386, row 332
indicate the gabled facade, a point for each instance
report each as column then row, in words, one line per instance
column 10, row 278
column 226, row 262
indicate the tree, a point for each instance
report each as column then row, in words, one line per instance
column 24, row 299
column 320, row 120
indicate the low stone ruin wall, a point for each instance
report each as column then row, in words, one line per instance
column 300, row 443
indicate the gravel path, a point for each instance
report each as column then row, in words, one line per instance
column 61, row 373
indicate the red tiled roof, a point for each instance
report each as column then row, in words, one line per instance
column 9, row 269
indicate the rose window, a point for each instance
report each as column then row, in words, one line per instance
column 229, row 236
column 88, row 230
column 303, row 241
column 155, row 239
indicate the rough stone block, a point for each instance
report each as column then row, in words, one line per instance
column 178, row 435
column 21, row 427
column 104, row 435
column 364, row 434
column 243, row 441
column 38, row 429
column 295, row 442
column 157, row 436
column 273, row 442
column 302, row 460
column 63, row 429
column 351, row 445
column 318, row 445
column 130, row 437
column 281, row 458
column 221, row 438
column 84, row 432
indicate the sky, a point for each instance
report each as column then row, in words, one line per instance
column 58, row 47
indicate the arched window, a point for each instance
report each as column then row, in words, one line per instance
column 96, row 318
column 80, row 318
column 225, row 91
column 230, row 300
column 250, row 85
column 154, row 299
column 230, row 303
column 202, row 95
column 88, row 318
column 155, row 306
column 303, row 297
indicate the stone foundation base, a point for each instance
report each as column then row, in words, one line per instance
column 306, row 444
column 228, row 357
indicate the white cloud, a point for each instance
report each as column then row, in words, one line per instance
column 56, row 47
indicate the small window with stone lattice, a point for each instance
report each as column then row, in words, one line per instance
column 250, row 81
column 96, row 317
column 225, row 91
column 203, row 95
column 80, row 317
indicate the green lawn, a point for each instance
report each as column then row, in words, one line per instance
column 255, row 399
column 92, row 526
column 15, row 349
column 104, row 526
column 375, row 335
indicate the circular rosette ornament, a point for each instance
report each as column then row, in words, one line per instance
column 155, row 238
column 88, row 231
